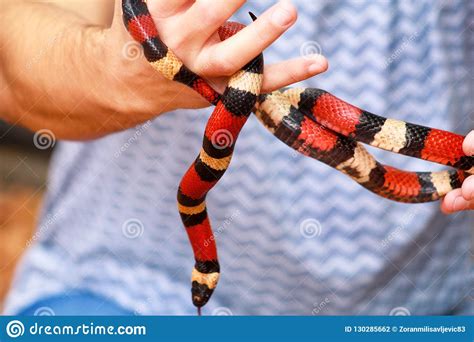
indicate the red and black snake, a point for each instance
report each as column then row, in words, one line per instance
column 311, row 121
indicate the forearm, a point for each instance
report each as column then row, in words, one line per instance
column 62, row 73
column 51, row 60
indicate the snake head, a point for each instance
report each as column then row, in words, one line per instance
column 204, row 280
column 200, row 294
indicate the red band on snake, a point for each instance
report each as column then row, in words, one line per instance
column 311, row 121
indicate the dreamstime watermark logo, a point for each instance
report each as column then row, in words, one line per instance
column 405, row 222
column 222, row 311
column 400, row 311
column 132, row 228
column 310, row 228
column 139, row 130
column 399, row 51
column 15, row 329
column 132, row 50
column 221, row 139
column 44, row 227
column 44, row 311
column 44, row 139
column 392, row 236
column 227, row 222
column 306, row 149
column 319, row 307
column 309, row 48
column 40, row 54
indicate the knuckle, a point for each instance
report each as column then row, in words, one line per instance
column 210, row 17
column 219, row 66
column 178, row 42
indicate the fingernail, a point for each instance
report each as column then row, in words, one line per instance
column 282, row 14
column 459, row 203
column 317, row 62
column 468, row 144
column 467, row 189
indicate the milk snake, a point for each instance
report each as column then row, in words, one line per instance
column 311, row 121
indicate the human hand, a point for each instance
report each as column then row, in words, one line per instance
column 189, row 29
column 76, row 79
column 463, row 198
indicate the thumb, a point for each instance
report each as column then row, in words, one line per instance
column 468, row 144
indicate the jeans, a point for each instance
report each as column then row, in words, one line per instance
column 75, row 303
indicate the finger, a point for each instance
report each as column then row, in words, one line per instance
column 161, row 9
column 227, row 57
column 203, row 19
column 118, row 10
column 468, row 144
column 291, row 71
column 467, row 189
column 454, row 201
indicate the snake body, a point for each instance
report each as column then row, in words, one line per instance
column 319, row 125
column 311, row 121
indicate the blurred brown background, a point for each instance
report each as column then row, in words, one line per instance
column 23, row 169
column 23, row 166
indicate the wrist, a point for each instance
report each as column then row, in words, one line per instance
column 133, row 87
column 140, row 89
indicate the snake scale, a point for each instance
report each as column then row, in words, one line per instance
column 311, row 121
